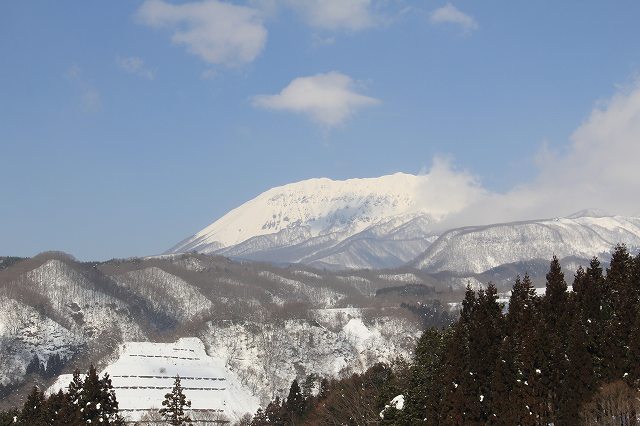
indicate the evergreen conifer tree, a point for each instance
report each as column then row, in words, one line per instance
column 56, row 408
column 34, row 365
column 634, row 352
column 555, row 294
column 174, row 404
column 309, row 384
column 108, row 402
column 97, row 400
column 455, row 375
column 274, row 412
column 34, row 412
column 580, row 381
column 504, row 401
column 554, row 332
column 295, row 403
column 71, row 410
column 423, row 391
column 260, row 418
column 485, row 337
column 594, row 307
column 624, row 294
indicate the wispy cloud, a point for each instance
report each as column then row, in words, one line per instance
column 90, row 97
column 217, row 32
column 449, row 14
column 329, row 99
column 135, row 65
column 350, row 15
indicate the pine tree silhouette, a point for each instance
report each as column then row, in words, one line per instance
column 174, row 404
column 260, row 418
column 423, row 390
column 34, row 411
column 295, row 404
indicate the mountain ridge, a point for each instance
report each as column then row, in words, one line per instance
column 386, row 222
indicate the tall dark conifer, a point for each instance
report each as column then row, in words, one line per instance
column 622, row 319
column 633, row 376
column 555, row 294
column 34, row 412
column 423, row 391
column 455, row 374
column 273, row 412
column 504, row 402
column 595, row 308
column 174, row 404
column 580, row 381
column 486, row 333
column 260, row 418
column 295, row 404
column 523, row 319
column 555, row 333
column 57, row 406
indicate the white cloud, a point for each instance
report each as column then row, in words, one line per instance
column 135, row 65
column 449, row 14
column 598, row 169
column 350, row 15
column 329, row 99
column 445, row 189
column 217, row 32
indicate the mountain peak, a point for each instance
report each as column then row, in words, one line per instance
column 319, row 206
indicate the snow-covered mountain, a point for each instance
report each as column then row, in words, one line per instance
column 387, row 222
column 355, row 223
column 261, row 324
column 479, row 248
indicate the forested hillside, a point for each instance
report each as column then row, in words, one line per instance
column 564, row 358
column 267, row 324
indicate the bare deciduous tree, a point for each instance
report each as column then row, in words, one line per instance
column 615, row 404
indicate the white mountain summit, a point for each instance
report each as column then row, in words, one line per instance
column 394, row 220
column 307, row 220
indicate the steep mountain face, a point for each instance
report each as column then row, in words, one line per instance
column 356, row 223
column 478, row 249
column 267, row 325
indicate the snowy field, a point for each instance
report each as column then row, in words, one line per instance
column 144, row 373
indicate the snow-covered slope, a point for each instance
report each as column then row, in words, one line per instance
column 166, row 292
column 144, row 372
column 385, row 222
column 269, row 324
column 334, row 342
column 355, row 223
column 478, row 249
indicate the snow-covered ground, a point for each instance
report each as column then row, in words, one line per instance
column 267, row 357
column 144, row 372
column 249, row 363
column 403, row 278
column 25, row 333
column 166, row 292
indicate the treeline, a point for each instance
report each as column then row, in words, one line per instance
column 564, row 358
column 47, row 370
column 88, row 401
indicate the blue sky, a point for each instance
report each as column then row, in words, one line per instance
column 127, row 126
